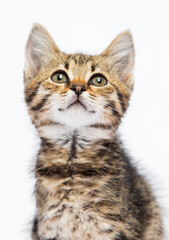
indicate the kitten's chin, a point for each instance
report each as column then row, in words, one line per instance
column 75, row 116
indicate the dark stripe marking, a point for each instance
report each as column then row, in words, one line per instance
column 49, row 238
column 65, row 171
column 46, row 143
column 47, row 123
column 33, row 94
column 120, row 97
column 93, row 68
column 41, row 104
column 103, row 126
column 112, row 106
column 67, row 66
column 35, row 228
column 72, row 154
column 122, row 236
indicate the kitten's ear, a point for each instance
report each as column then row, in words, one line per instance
column 39, row 50
column 120, row 56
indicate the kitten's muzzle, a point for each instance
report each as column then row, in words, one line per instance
column 78, row 89
column 77, row 100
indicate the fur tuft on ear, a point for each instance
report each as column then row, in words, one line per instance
column 121, row 55
column 39, row 49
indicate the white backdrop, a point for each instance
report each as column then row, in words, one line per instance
column 87, row 26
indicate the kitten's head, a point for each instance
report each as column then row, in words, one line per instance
column 75, row 89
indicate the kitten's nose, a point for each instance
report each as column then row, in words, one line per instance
column 78, row 89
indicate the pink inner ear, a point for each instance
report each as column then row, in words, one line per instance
column 39, row 49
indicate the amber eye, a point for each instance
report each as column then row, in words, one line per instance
column 98, row 81
column 59, row 77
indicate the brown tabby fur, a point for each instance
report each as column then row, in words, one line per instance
column 86, row 187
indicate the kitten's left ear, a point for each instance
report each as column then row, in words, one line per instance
column 120, row 56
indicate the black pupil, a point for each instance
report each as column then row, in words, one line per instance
column 99, row 80
column 59, row 77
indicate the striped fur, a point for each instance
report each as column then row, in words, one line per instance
column 86, row 187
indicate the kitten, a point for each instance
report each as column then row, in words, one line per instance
column 86, row 187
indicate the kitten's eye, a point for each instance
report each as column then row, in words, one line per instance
column 59, row 77
column 98, row 81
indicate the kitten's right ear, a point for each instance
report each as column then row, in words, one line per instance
column 39, row 50
column 120, row 56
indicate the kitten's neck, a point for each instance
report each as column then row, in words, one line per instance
column 84, row 138
column 69, row 152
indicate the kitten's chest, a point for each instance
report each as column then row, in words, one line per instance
column 72, row 212
column 77, row 220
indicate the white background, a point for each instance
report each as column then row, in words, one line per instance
column 87, row 26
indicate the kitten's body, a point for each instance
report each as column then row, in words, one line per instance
column 86, row 187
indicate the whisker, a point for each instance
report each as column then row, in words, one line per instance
column 104, row 110
column 42, row 118
column 100, row 60
column 112, row 106
column 115, row 100
column 120, row 112
column 45, row 114
column 40, row 110
column 53, row 108
column 50, row 104
column 33, row 91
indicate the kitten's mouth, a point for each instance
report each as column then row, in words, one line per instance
column 77, row 103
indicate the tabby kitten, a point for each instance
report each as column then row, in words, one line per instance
column 86, row 187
